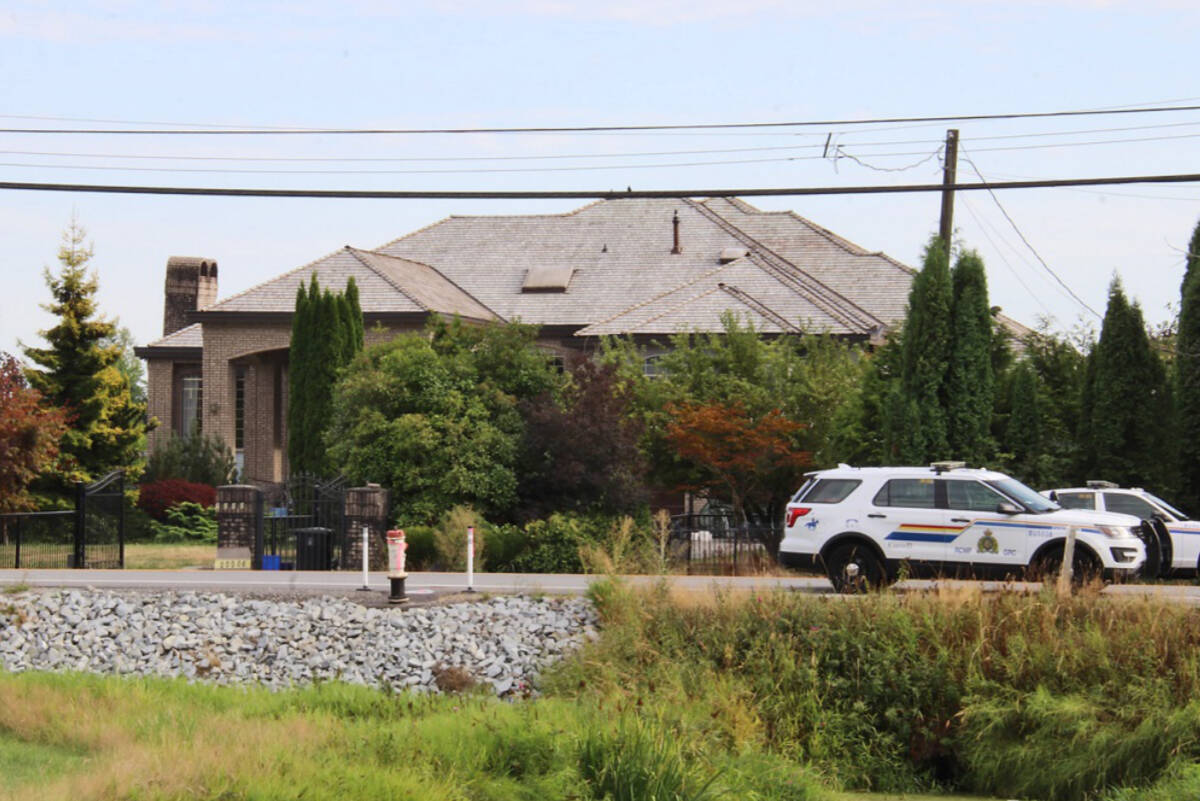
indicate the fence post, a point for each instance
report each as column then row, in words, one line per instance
column 121, row 520
column 80, row 523
column 18, row 525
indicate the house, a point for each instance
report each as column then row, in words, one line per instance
column 640, row 267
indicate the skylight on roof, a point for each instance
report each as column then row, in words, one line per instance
column 547, row 279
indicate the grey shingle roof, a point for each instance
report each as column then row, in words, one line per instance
column 623, row 276
column 621, row 253
column 385, row 284
column 189, row 337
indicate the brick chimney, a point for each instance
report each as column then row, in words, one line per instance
column 675, row 226
column 191, row 285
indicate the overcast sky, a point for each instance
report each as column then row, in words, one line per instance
column 470, row 63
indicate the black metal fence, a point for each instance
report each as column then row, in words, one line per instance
column 717, row 544
column 90, row 535
column 303, row 526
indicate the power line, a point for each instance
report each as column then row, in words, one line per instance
column 421, row 194
column 1029, row 245
column 257, row 131
column 999, row 252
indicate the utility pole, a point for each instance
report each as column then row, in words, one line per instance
column 949, row 173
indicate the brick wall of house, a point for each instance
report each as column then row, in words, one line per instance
column 158, row 400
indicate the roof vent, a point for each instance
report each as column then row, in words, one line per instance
column 732, row 254
column 547, row 279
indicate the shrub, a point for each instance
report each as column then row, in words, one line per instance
column 421, row 553
column 156, row 498
column 450, row 538
column 187, row 522
column 553, row 545
column 197, row 458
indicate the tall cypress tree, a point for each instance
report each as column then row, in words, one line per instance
column 1187, row 378
column 1023, row 435
column 326, row 334
column 79, row 371
column 969, row 381
column 1127, row 407
column 926, row 353
column 299, row 362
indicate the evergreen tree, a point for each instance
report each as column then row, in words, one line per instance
column 926, row 352
column 79, row 370
column 969, row 383
column 1187, row 378
column 1125, row 428
column 356, row 318
column 1023, row 434
column 326, row 334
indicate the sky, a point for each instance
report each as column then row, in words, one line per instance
column 518, row 63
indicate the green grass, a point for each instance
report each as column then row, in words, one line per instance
column 167, row 556
column 758, row 696
column 23, row 763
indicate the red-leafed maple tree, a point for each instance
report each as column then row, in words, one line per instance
column 29, row 436
column 737, row 452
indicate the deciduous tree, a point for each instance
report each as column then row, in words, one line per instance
column 30, row 433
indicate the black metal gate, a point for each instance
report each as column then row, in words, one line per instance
column 90, row 535
column 303, row 527
column 715, row 544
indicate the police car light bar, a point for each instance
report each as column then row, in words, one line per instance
column 942, row 467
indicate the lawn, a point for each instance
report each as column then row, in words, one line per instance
column 155, row 556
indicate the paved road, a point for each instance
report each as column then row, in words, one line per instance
column 418, row 584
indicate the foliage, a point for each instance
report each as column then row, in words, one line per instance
column 327, row 332
column 580, row 452
column 80, row 373
column 808, row 379
column 187, row 522
column 734, row 451
column 157, row 498
column 1011, row 695
column 128, row 363
column 29, row 436
column 421, row 553
column 969, row 380
column 1187, row 377
column 1125, row 426
column 547, row 546
column 435, row 418
column 1024, row 433
column 450, row 538
column 918, row 430
column 199, row 458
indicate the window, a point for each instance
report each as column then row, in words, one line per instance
column 1128, row 505
column 1077, row 500
column 830, row 490
column 651, row 368
column 972, row 496
column 912, row 493
column 191, row 405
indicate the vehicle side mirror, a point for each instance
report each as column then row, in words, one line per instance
column 1007, row 509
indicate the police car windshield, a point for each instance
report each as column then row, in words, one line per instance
column 1023, row 495
column 1178, row 515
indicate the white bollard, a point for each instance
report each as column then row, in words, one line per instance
column 470, row 559
column 365, row 545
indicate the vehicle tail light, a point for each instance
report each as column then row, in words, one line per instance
column 794, row 513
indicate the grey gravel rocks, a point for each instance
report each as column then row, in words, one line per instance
column 502, row 642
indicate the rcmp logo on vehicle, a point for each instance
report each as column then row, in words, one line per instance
column 987, row 543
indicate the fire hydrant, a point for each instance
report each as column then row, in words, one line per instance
column 396, row 547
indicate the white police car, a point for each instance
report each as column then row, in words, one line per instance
column 1175, row 550
column 861, row 524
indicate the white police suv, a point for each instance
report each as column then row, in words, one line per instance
column 1175, row 548
column 861, row 524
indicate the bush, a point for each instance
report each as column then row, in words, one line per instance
column 156, row 498
column 197, row 458
column 421, row 553
column 187, row 522
column 450, row 538
column 553, row 545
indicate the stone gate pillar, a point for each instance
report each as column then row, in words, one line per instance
column 239, row 526
column 366, row 506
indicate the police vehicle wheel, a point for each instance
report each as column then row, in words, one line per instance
column 1084, row 567
column 854, row 568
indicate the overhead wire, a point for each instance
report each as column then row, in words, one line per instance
column 1000, row 253
column 1028, row 244
column 277, row 131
